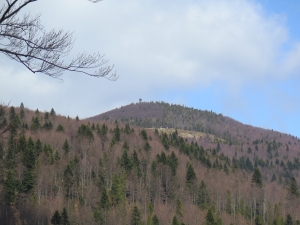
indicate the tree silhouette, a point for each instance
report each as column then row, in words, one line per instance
column 257, row 178
column 25, row 40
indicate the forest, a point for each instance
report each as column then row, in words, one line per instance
column 120, row 170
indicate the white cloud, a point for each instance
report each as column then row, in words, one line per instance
column 156, row 46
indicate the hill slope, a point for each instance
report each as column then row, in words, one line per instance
column 113, row 172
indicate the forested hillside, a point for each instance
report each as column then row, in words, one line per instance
column 59, row 170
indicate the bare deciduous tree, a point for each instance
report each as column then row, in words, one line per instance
column 25, row 40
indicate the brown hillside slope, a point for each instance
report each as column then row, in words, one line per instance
column 110, row 167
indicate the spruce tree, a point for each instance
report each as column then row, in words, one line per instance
column 175, row 221
column 135, row 216
column 117, row 134
column 66, row 147
column 294, row 189
column 203, row 198
column 172, row 161
column 60, row 128
column 155, row 220
column 56, row 218
column 64, row 217
column 117, row 192
column 22, row 143
column 22, row 112
column 288, row 220
column 38, row 147
column 257, row 178
column 209, row 218
column 125, row 161
column 52, row 112
column 190, row 175
column 104, row 202
column 10, row 187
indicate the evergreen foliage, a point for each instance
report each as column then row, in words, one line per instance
column 179, row 207
column 288, row 220
column 85, row 131
column 257, row 178
column 117, row 192
column 125, row 161
column 294, row 189
column 48, row 126
column 155, row 220
column 56, row 218
column 117, row 134
column 10, row 187
column 35, row 124
column 60, row 128
column 104, row 201
column 203, row 198
column 147, row 146
column 135, row 216
column 209, row 218
column 52, row 112
column 64, row 217
column 190, row 175
column 144, row 134
column 175, row 221
column 66, row 147
column 172, row 161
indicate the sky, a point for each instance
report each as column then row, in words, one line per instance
column 240, row 58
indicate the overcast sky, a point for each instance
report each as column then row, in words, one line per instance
column 240, row 58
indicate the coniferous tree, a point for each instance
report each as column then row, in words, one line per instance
column 144, row 134
column 10, row 187
column 179, row 207
column 46, row 116
column 38, row 147
column 98, row 216
column 135, row 159
column 258, row 220
column 288, row 220
column 85, row 131
column 117, row 134
column 12, row 113
column 190, row 175
column 60, row 128
column 68, row 180
column 125, row 161
column 135, row 216
column 64, row 217
column 22, row 112
column 28, row 180
column 10, row 158
column 52, row 112
column 22, row 143
column 66, row 147
column 56, row 218
column 172, row 161
column 218, row 149
column 104, row 201
column 147, row 146
column 257, row 178
column 155, row 220
column 203, row 198
column 175, row 221
column 209, row 218
column 117, row 191
column 294, row 189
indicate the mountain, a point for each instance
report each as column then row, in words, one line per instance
column 145, row 163
column 237, row 139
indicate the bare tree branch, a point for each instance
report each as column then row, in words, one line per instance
column 26, row 41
